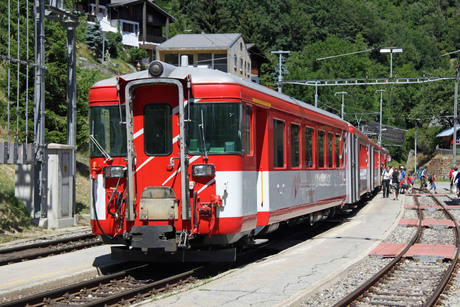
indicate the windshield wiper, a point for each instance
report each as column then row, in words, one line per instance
column 203, row 139
column 99, row 146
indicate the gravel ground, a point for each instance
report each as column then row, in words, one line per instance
column 370, row 265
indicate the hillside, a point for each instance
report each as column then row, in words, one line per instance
column 14, row 220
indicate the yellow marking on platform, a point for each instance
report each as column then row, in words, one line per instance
column 45, row 275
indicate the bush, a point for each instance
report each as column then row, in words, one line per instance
column 114, row 43
column 136, row 55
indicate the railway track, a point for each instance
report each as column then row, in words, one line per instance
column 136, row 284
column 117, row 288
column 47, row 248
column 147, row 281
column 405, row 282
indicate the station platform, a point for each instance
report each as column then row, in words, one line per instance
column 298, row 270
column 25, row 278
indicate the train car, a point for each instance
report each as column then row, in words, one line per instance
column 188, row 164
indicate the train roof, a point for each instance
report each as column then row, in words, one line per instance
column 204, row 76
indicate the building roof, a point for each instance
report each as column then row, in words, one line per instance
column 201, row 41
column 448, row 132
column 116, row 3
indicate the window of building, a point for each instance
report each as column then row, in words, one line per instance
column 150, row 18
column 157, row 129
column 235, row 61
column 133, row 11
column 278, row 143
column 220, row 62
column 309, row 137
column 205, row 59
column 321, row 152
column 154, row 31
column 330, row 156
column 129, row 27
column 295, row 145
column 172, row 59
column 241, row 65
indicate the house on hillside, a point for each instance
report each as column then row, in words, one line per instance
column 141, row 22
column 226, row 52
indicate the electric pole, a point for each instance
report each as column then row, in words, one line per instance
column 280, row 72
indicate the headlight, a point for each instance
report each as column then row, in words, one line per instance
column 203, row 170
column 156, row 69
column 114, row 171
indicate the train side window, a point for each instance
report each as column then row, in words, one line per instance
column 278, row 143
column 309, row 137
column 157, row 129
column 330, row 156
column 248, row 130
column 295, row 145
column 337, row 151
column 321, row 152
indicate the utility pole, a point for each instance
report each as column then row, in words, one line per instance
column 454, row 146
column 415, row 149
column 380, row 126
column 40, row 190
column 343, row 94
column 280, row 73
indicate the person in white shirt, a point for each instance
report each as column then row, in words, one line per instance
column 386, row 175
column 453, row 182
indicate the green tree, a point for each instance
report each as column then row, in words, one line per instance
column 95, row 38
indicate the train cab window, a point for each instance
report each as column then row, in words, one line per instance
column 278, row 143
column 309, row 137
column 295, row 145
column 337, row 151
column 248, row 130
column 330, row 156
column 157, row 129
column 321, row 152
column 215, row 128
column 108, row 134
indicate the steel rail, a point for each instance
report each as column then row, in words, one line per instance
column 374, row 279
column 45, row 248
column 38, row 298
column 449, row 273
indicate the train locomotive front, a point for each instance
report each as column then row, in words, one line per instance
column 165, row 165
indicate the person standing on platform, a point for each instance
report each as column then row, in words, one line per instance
column 453, row 182
column 395, row 179
column 386, row 182
column 410, row 182
column 457, row 180
column 403, row 179
column 432, row 181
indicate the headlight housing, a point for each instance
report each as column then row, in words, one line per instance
column 203, row 170
column 114, row 171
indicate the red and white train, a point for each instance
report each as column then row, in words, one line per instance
column 187, row 163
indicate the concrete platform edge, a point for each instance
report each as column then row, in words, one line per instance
column 335, row 276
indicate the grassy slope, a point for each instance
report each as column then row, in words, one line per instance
column 13, row 217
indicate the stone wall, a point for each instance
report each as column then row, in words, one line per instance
column 440, row 165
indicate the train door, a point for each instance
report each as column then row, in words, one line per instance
column 157, row 168
column 352, row 165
